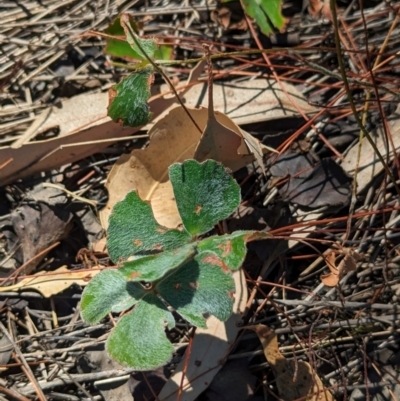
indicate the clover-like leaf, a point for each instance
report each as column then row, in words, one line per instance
column 119, row 47
column 108, row 291
column 128, row 99
column 231, row 249
column 267, row 14
column 205, row 194
column 199, row 287
column 139, row 339
column 153, row 267
column 192, row 276
column 133, row 229
column 149, row 46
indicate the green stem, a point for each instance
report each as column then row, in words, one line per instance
column 159, row 70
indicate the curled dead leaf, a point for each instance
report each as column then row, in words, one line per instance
column 294, row 379
column 320, row 8
column 347, row 264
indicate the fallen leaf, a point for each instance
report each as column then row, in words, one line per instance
column 84, row 129
column 52, row 283
column 250, row 101
column 257, row 148
column 224, row 17
column 369, row 165
column 38, row 227
column 347, row 264
column 312, row 186
column 320, row 7
column 294, row 379
column 222, row 142
column 210, row 348
column 175, row 138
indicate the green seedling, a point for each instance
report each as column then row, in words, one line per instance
column 122, row 41
column 162, row 270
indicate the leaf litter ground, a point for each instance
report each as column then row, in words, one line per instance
column 348, row 334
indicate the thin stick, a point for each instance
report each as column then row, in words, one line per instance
column 12, row 394
column 27, row 368
column 187, row 358
column 351, row 100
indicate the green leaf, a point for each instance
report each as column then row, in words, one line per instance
column 119, row 47
column 164, row 52
column 199, row 287
column 139, row 339
column 205, row 194
column 149, row 46
column 231, row 249
column 267, row 14
column 133, row 229
column 106, row 291
column 153, row 267
column 128, row 99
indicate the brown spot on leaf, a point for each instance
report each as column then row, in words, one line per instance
column 177, row 286
column 231, row 294
column 134, row 275
column 112, row 94
column 194, row 285
column 213, row 260
column 161, row 230
column 157, row 247
column 137, row 242
column 226, row 247
column 198, row 209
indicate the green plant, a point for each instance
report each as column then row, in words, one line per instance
column 267, row 13
column 163, row 270
column 148, row 57
column 122, row 41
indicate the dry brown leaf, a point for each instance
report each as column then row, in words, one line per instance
column 347, row 264
column 39, row 227
column 84, row 129
column 223, row 141
column 223, row 16
column 368, row 165
column 251, row 101
column 294, row 379
column 320, row 7
column 257, row 148
column 51, row 283
column 209, row 349
column 173, row 139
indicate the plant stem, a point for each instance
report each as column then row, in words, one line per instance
column 159, row 70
